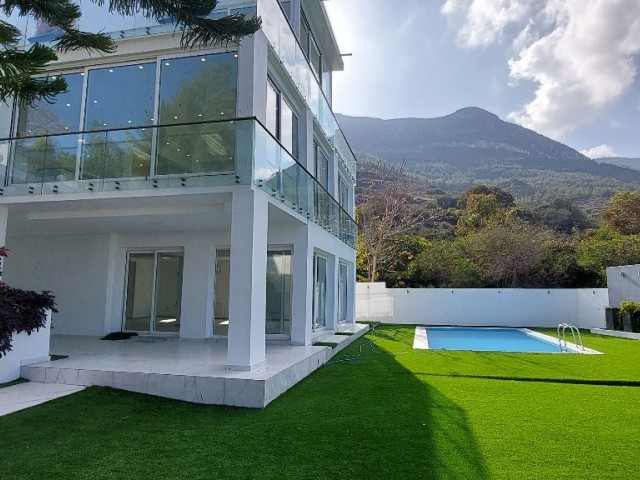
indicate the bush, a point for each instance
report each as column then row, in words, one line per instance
column 21, row 311
column 630, row 306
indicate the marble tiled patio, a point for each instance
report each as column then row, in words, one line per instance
column 192, row 371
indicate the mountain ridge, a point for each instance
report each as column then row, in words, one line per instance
column 473, row 145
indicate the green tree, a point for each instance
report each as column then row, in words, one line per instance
column 483, row 205
column 386, row 213
column 21, row 69
column 508, row 253
column 607, row 248
column 622, row 213
column 560, row 215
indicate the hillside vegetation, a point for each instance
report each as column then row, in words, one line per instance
column 474, row 146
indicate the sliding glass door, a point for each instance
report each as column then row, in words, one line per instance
column 278, row 294
column 154, row 292
column 278, row 312
column 343, row 293
column 319, row 292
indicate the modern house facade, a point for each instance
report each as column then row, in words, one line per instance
column 200, row 194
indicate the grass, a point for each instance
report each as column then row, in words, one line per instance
column 395, row 413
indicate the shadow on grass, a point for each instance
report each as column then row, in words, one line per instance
column 569, row 381
column 350, row 420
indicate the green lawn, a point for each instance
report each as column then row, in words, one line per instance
column 393, row 414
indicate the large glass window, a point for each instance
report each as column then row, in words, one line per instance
column 281, row 121
column 278, row 304
column 197, row 89
column 118, row 97
column 49, row 159
column 322, row 167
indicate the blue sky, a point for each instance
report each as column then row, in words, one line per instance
column 565, row 68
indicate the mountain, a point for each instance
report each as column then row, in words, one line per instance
column 475, row 146
column 633, row 163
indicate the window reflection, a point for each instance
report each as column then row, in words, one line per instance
column 118, row 97
column 197, row 89
column 48, row 159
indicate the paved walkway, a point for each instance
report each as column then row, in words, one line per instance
column 28, row 394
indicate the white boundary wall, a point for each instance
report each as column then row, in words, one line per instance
column 481, row 307
column 624, row 284
column 26, row 349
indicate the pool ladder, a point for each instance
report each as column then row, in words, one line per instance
column 562, row 340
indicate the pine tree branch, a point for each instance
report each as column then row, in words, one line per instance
column 9, row 35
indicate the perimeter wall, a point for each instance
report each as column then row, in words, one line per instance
column 481, row 307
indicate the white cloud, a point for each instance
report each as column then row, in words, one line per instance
column 581, row 54
column 484, row 21
column 601, row 151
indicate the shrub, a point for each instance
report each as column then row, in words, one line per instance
column 21, row 311
column 630, row 306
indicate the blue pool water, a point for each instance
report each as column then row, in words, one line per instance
column 488, row 340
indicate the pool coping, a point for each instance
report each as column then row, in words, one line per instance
column 421, row 339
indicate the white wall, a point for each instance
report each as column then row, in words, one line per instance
column 623, row 283
column 481, row 307
column 26, row 349
column 73, row 267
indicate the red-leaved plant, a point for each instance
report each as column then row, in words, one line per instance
column 21, row 310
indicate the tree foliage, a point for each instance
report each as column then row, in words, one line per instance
column 498, row 244
column 386, row 214
column 622, row 213
column 22, row 69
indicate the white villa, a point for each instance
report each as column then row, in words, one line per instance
column 203, row 194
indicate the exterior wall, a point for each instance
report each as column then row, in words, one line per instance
column 73, row 267
column 623, row 283
column 26, row 349
column 481, row 307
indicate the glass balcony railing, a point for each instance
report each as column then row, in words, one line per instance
column 198, row 154
column 281, row 176
column 285, row 44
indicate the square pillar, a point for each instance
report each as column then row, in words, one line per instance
column 248, row 280
column 302, row 288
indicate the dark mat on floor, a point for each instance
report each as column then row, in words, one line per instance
column 119, row 336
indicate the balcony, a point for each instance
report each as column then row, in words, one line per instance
column 197, row 154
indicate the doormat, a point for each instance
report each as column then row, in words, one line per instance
column 119, row 336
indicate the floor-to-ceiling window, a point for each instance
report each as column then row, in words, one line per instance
column 278, row 293
column 118, row 98
column 278, row 308
column 153, row 297
column 197, row 89
column 319, row 292
column 134, row 120
column 221, row 293
column 343, row 294
column 52, row 158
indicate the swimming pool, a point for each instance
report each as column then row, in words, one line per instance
column 480, row 339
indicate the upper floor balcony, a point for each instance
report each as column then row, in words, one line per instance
column 218, row 153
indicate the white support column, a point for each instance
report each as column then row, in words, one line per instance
column 4, row 217
column 302, row 288
column 248, row 281
column 252, row 76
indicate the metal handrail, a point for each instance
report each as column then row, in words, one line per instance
column 562, row 340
